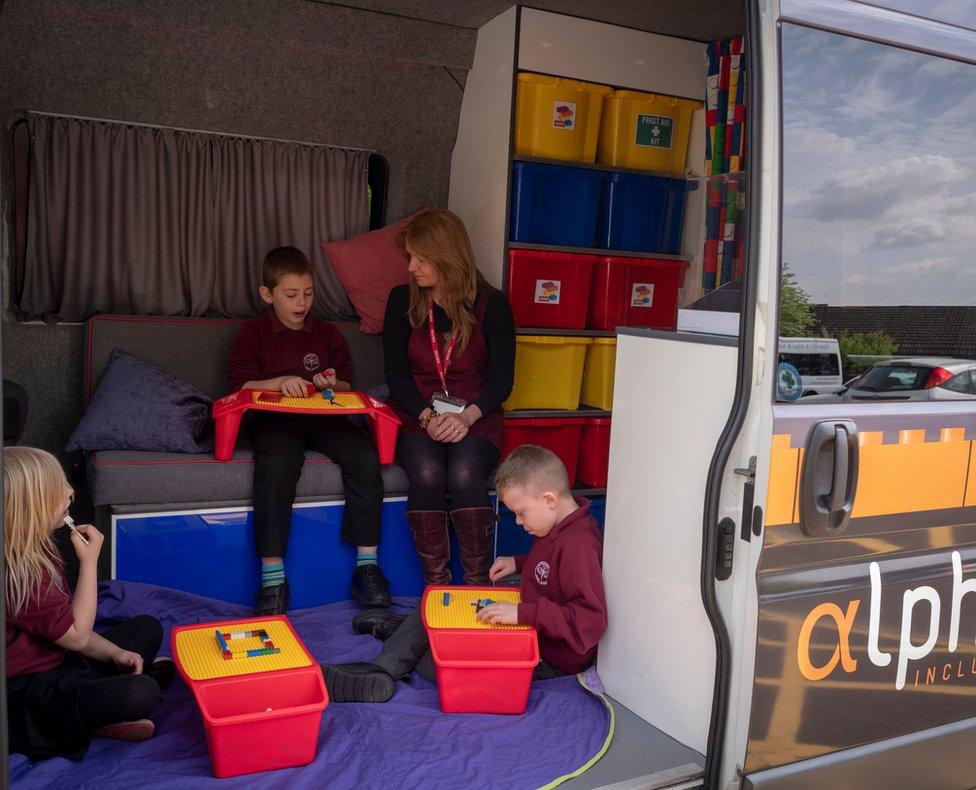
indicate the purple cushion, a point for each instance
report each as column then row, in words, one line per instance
column 138, row 407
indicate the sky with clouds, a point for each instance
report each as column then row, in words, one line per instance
column 879, row 182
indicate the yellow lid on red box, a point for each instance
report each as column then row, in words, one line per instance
column 460, row 612
column 199, row 652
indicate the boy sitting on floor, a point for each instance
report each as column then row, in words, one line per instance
column 562, row 588
column 285, row 349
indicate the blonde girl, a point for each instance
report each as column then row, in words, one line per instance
column 66, row 683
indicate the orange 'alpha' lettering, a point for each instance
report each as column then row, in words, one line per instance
column 841, row 654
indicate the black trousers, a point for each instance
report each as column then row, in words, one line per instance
column 280, row 441
column 51, row 713
column 435, row 469
column 409, row 649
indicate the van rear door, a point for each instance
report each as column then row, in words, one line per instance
column 864, row 670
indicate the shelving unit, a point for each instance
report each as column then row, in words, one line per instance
column 603, row 168
column 582, row 411
column 525, row 330
column 519, row 245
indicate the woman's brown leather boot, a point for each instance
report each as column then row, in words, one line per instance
column 475, row 527
column 429, row 528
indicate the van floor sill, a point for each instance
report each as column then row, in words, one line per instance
column 640, row 757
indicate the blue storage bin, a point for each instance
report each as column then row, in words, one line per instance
column 511, row 539
column 553, row 204
column 641, row 213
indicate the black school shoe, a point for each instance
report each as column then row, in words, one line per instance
column 272, row 600
column 358, row 682
column 378, row 623
column 370, row 587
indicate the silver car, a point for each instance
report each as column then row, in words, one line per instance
column 915, row 378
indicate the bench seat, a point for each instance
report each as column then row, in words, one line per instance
column 127, row 477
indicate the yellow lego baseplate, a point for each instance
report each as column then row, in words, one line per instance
column 201, row 657
column 343, row 400
column 460, row 613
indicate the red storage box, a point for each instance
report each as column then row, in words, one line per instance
column 594, row 454
column 549, row 289
column 635, row 292
column 262, row 722
column 480, row 669
column 260, row 712
column 560, row 434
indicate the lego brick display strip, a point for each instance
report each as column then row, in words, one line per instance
column 338, row 402
column 202, row 656
column 460, row 608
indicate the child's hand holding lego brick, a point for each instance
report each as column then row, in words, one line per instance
column 295, row 386
column 326, row 380
column 501, row 613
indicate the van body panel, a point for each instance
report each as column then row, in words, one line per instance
column 849, row 651
column 940, row 757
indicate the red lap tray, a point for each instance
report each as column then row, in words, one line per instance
column 228, row 411
column 480, row 668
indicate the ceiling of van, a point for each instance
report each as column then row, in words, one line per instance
column 701, row 20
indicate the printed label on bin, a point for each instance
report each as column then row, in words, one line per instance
column 654, row 131
column 547, row 291
column 642, row 295
column 563, row 114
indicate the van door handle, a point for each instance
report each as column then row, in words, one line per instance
column 828, row 481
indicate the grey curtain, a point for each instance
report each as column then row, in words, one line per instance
column 150, row 221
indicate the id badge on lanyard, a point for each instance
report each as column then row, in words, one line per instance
column 442, row 402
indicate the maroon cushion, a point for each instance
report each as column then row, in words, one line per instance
column 369, row 267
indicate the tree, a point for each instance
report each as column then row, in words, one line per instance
column 858, row 350
column 795, row 313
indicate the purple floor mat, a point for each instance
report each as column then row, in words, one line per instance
column 404, row 743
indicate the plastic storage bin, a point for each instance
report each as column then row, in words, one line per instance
column 558, row 118
column 262, row 722
column 598, row 371
column 262, row 712
column 480, row 670
column 641, row 213
column 562, row 435
column 646, row 131
column 549, row 289
column 554, row 204
column 594, row 456
column 548, row 372
column 635, row 292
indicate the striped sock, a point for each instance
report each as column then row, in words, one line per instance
column 366, row 558
column 272, row 574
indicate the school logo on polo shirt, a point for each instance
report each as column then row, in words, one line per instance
column 542, row 572
column 311, row 362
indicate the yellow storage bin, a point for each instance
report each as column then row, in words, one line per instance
column 548, row 372
column 601, row 357
column 646, row 131
column 558, row 118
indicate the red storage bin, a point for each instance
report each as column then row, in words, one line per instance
column 262, row 722
column 549, row 289
column 480, row 670
column 594, row 454
column 635, row 292
column 560, row 434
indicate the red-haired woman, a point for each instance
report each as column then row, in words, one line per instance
column 449, row 344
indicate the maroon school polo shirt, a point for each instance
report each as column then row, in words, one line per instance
column 31, row 633
column 265, row 348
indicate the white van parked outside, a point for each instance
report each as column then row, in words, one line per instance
column 817, row 360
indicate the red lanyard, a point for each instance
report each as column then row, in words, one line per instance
column 441, row 366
